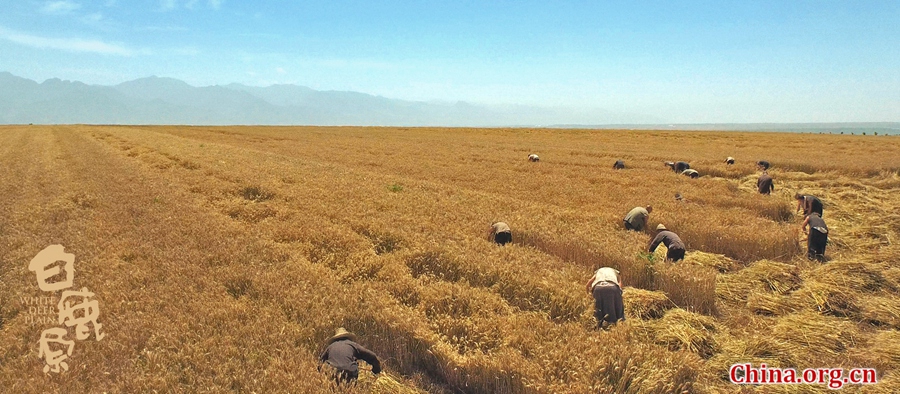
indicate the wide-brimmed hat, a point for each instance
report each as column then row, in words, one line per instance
column 341, row 333
column 660, row 227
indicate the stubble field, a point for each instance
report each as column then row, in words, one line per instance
column 223, row 257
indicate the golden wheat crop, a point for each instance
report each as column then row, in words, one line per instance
column 223, row 257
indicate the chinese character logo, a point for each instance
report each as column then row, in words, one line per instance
column 75, row 309
column 55, row 358
column 43, row 266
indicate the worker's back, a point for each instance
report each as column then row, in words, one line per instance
column 816, row 222
column 667, row 238
column 637, row 217
column 691, row 173
column 814, row 205
column 765, row 184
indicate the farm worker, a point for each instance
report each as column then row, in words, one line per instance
column 636, row 219
column 729, row 160
column 817, row 238
column 808, row 204
column 618, row 165
column 763, row 165
column 765, row 183
column 677, row 166
column 691, row 173
column 341, row 355
column 500, row 233
column 606, row 287
column 673, row 243
column 533, row 157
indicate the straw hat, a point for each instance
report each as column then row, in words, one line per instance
column 341, row 333
column 660, row 227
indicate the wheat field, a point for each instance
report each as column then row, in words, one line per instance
column 223, row 257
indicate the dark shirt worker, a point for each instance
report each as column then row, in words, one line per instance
column 671, row 240
column 678, row 166
column 341, row 355
column 817, row 238
column 765, row 184
column 808, row 204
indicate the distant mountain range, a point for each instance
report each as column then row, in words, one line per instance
column 155, row 100
column 863, row 128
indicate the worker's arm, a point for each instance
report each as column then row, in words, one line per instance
column 805, row 223
column 322, row 359
column 655, row 243
column 799, row 204
column 368, row 356
column 590, row 281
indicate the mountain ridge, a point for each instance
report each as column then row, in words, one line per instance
column 163, row 100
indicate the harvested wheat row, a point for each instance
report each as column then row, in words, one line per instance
column 763, row 275
column 718, row 262
column 771, row 304
column 645, row 304
column 812, row 340
column 683, row 330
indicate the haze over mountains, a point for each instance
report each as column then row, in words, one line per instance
column 155, row 100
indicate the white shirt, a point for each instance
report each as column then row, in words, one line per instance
column 606, row 274
column 500, row 227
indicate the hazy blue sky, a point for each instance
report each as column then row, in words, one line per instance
column 682, row 61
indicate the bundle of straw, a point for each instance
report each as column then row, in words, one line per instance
column 812, row 340
column 683, row 330
column 645, row 304
column 719, row 262
column 387, row 384
column 771, row 304
column 761, row 276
